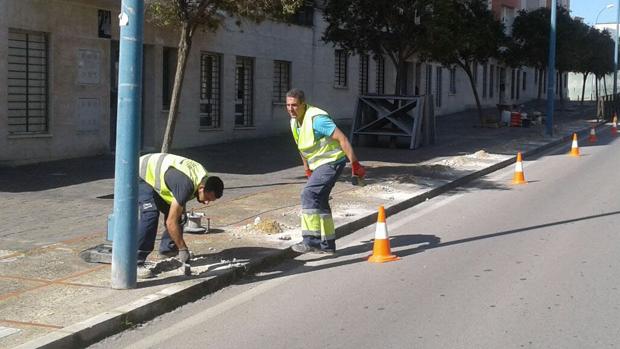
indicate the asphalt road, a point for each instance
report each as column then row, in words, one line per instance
column 491, row 265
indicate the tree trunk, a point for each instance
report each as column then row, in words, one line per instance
column 467, row 69
column 596, row 86
column 401, row 81
column 583, row 86
column 185, row 45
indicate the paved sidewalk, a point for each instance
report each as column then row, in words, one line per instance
column 50, row 212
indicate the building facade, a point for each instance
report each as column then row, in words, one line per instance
column 59, row 62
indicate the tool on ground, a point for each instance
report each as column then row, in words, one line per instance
column 381, row 251
column 519, row 177
column 193, row 225
column 357, row 174
column 574, row 149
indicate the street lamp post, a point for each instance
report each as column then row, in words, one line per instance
column 551, row 71
column 616, row 53
column 608, row 6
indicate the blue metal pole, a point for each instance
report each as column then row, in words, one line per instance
column 616, row 50
column 551, row 71
column 124, row 247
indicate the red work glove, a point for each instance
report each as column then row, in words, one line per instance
column 308, row 172
column 357, row 169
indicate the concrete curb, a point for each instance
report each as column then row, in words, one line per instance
column 148, row 307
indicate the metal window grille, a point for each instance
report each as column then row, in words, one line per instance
column 491, row 81
column 169, row 70
column 518, row 84
column 340, row 69
column 380, row 75
column 418, row 77
column 512, row 84
column 27, row 78
column 474, row 72
column 484, row 80
column 244, row 88
column 363, row 74
column 438, row 86
column 429, row 79
column 210, row 96
column 281, row 80
column 453, row 80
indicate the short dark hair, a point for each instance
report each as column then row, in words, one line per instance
column 213, row 184
column 297, row 93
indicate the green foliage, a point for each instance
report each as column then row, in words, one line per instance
column 210, row 13
column 462, row 31
column 378, row 27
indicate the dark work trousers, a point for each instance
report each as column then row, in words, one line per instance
column 150, row 205
column 318, row 228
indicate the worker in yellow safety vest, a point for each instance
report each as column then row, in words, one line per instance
column 167, row 182
column 324, row 149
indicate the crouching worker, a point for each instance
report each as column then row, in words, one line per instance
column 167, row 182
column 324, row 151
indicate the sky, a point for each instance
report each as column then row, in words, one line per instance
column 589, row 9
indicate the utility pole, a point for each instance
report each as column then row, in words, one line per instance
column 125, row 222
column 616, row 54
column 551, row 71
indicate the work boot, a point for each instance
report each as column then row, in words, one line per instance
column 305, row 248
column 169, row 253
column 144, row 272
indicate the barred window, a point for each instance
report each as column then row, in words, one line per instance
column 438, row 86
column 244, row 88
column 169, row 69
column 281, row 80
column 340, row 69
column 429, row 79
column 363, row 74
column 380, row 75
column 474, row 73
column 484, row 80
column 453, row 80
column 27, row 79
column 512, row 84
column 210, row 91
column 491, row 80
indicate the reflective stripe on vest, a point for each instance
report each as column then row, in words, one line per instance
column 153, row 168
column 317, row 152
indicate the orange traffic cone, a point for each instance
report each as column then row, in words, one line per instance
column 381, row 249
column 574, row 149
column 592, row 138
column 519, row 177
column 614, row 125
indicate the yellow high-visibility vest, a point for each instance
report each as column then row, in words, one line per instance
column 316, row 151
column 154, row 166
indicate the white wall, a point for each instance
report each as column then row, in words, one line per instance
column 72, row 26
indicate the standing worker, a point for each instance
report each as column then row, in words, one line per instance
column 167, row 182
column 324, row 149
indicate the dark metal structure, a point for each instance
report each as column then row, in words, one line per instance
column 411, row 117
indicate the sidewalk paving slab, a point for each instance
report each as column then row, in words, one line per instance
column 56, row 300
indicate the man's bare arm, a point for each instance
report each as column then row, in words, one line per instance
column 173, row 225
